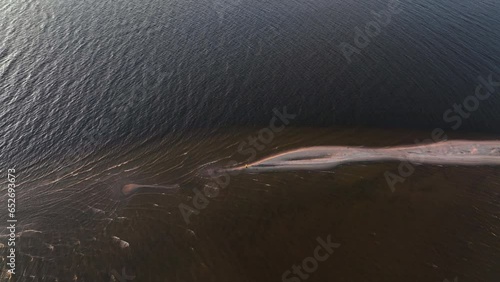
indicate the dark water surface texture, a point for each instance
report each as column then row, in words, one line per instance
column 95, row 95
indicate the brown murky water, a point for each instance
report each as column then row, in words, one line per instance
column 440, row 223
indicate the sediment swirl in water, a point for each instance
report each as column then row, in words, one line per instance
column 130, row 189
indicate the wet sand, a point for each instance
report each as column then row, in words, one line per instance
column 456, row 152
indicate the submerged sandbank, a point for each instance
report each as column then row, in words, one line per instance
column 458, row 152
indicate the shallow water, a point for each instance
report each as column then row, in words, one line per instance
column 441, row 222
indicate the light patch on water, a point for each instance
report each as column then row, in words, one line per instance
column 122, row 243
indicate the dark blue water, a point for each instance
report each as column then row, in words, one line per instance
column 152, row 68
column 97, row 94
